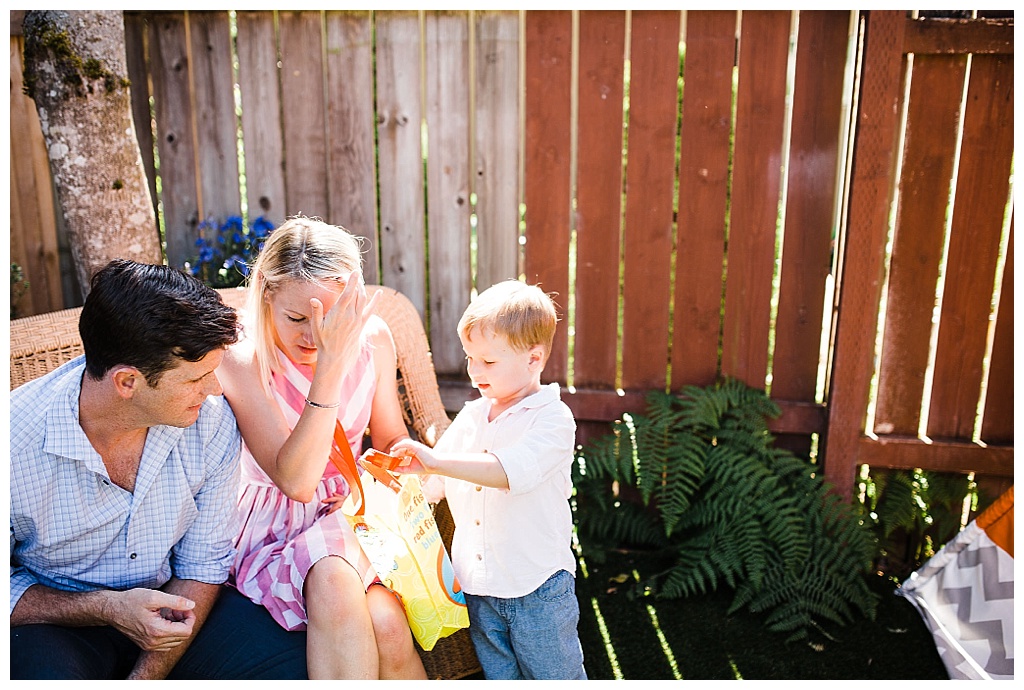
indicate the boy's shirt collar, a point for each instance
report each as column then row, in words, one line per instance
column 548, row 393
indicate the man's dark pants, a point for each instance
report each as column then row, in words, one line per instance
column 240, row 640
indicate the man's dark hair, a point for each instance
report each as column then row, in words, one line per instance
column 147, row 315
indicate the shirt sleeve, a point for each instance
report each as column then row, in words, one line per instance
column 21, row 578
column 206, row 552
column 540, row 451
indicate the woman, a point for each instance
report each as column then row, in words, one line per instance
column 314, row 369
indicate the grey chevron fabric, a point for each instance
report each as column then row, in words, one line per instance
column 965, row 595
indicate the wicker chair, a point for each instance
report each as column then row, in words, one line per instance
column 41, row 343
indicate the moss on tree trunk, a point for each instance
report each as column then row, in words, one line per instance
column 75, row 71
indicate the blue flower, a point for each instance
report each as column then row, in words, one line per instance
column 231, row 239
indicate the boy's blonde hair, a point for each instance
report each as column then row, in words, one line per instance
column 303, row 249
column 524, row 314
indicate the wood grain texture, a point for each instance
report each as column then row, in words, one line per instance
column 496, row 146
column 448, row 174
column 263, row 140
column 703, row 189
column 928, row 157
column 548, row 160
column 352, row 170
column 400, row 156
column 756, row 186
column 650, row 182
column 599, row 189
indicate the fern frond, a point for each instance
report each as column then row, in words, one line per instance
column 733, row 508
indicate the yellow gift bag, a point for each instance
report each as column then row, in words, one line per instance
column 397, row 531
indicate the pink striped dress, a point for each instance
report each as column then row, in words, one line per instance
column 282, row 538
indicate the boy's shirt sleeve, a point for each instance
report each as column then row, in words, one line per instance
column 541, row 450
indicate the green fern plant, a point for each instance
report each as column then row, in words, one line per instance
column 711, row 492
column 913, row 513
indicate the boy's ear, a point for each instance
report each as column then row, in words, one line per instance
column 536, row 356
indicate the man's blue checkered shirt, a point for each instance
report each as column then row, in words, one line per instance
column 73, row 529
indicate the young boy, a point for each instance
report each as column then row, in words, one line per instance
column 505, row 466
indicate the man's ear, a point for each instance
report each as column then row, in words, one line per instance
column 127, row 380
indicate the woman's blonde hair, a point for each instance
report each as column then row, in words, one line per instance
column 524, row 314
column 302, row 249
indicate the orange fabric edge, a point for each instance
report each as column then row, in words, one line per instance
column 997, row 521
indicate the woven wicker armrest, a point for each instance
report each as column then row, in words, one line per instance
column 40, row 344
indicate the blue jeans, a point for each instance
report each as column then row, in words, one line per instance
column 532, row 637
column 240, row 640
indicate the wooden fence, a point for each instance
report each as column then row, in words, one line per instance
column 707, row 193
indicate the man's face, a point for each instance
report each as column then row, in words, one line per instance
column 181, row 391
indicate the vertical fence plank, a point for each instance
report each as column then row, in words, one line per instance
column 496, row 146
column 216, row 124
column 997, row 424
column 650, row 183
column 764, row 47
column 863, row 251
column 263, row 143
column 599, row 197
column 138, row 74
column 548, row 159
column 400, row 155
column 352, row 189
column 33, row 224
column 448, row 207
column 302, row 99
column 930, row 146
column 813, row 186
column 172, row 97
column 703, row 189
column 982, row 189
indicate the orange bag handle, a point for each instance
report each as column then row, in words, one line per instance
column 341, row 456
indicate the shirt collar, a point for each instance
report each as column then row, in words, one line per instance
column 547, row 394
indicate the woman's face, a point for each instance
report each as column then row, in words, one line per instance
column 290, row 314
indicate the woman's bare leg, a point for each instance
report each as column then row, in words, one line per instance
column 340, row 641
column 399, row 659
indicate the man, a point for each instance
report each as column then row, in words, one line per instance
column 124, row 475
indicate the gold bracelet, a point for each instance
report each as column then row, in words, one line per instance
column 320, row 406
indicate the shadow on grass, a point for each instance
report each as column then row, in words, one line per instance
column 695, row 639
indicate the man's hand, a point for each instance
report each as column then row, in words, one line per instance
column 154, row 620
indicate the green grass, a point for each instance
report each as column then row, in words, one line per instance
column 695, row 639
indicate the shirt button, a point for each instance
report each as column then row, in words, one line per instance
column 106, row 482
column 479, row 488
column 479, row 557
column 133, row 556
column 476, row 522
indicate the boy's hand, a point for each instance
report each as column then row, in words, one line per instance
column 416, row 457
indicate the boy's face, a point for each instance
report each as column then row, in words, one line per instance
column 502, row 374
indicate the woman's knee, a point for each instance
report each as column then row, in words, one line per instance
column 390, row 626
column 334, row 585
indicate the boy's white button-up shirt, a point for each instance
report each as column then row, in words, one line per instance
column 508, row 542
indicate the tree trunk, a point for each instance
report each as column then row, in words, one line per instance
column 76, row 72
